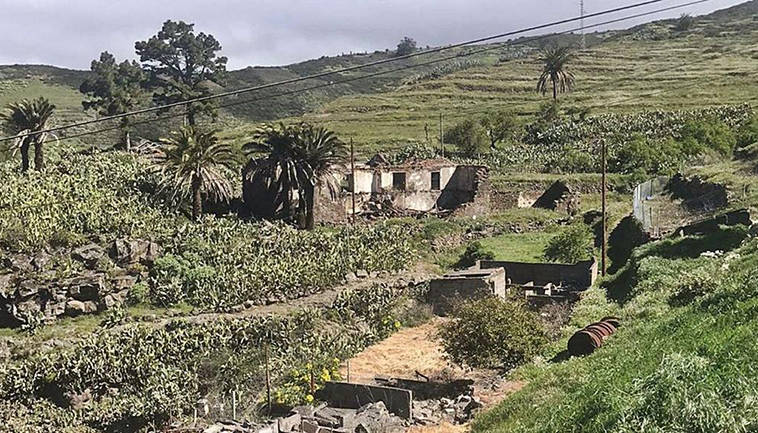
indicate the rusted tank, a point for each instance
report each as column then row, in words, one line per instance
column 585, row 341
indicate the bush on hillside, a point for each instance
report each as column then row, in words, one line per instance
column 406, row 46
column 415, row 151
column 493, row 333
column 573, row 244
column 708, row 134
column 469, row 136
column 684, row 23
column 748, row 132
column 474, row 251
column 640, row 154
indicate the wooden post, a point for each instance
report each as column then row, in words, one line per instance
column 442, row 138
column 352, row 177
column 234, row 405
column 268, row 380
column 605, row 215
column 348, row 370
column 313, row 380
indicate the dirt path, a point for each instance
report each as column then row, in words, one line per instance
column 418, row 349
column 325, row 298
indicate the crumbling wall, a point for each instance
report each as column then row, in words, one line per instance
column 698, row 195
column 468, row 185
column 559, row 197
column 580, row 275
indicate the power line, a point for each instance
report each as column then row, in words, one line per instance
column 348, row 69
column 402, row 68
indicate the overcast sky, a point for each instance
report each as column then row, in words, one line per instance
column 70, row 33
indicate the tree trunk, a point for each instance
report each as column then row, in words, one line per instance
column 555, row 90
column 25, row 155
column 197, row 198
column 190, row 116
column 128, row 140
column 310, row 204
column 39, row 157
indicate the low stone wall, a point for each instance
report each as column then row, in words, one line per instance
column 32, row 292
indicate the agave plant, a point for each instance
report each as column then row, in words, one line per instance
column 191, row 163
column 555, row 71
column 27, row 117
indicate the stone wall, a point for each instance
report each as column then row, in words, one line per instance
column 33, row 291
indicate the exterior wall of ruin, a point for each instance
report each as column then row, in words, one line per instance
column 581, row 275
column 453, row 288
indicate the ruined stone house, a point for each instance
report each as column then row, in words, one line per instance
column 421, row 186
column 379, row 186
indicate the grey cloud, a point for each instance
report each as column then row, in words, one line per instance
column 70, row 33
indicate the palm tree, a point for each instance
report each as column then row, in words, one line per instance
column 293, row 160
column 321, row 152
column 555, row 71
column 26, row 117
column 192, row 163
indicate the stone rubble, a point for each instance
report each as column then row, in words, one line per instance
column 371, row 418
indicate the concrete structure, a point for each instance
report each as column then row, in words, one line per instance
column 347, row 395
column 577, row 277
column 458, row 286
column 415, row 185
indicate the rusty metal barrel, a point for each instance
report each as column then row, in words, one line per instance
column 586, row 340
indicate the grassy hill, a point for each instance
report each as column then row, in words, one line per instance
column 649, row 67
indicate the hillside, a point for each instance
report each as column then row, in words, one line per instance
column 61, row 86
column 646, row 68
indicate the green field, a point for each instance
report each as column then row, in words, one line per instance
column 523, row 247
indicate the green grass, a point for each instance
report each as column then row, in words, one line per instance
column 522, row 247
column 681, row 362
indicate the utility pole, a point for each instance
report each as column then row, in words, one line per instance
column 442, row 139
column 352, row 178
column 605, row 214
column 584, row 36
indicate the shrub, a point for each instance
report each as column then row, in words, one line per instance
column 469, row 136
column 493, row 333
column 405, row 47
column 709, row 133
column 573, row 244
column 573, row 161
column 748, row 132
column 415, row 151
column 640, row 154
column 139, row 294
column 474, row 251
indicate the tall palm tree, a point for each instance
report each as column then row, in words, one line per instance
column 291, row 160
column 25, row 117
column 555, row 71
column 192, row 163
column 320, row 152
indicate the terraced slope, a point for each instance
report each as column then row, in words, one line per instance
column 630, row 72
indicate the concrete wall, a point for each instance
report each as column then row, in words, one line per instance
column 355, row 395
column 581, row 275
column 458, row 185
column 456, row 287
